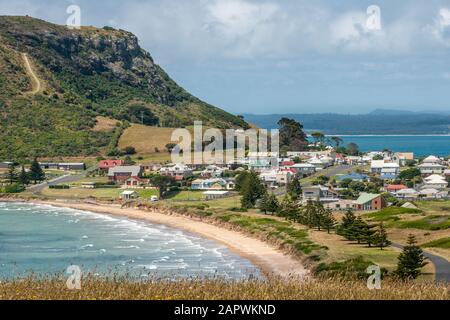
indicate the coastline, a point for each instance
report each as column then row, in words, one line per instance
column 270, row 260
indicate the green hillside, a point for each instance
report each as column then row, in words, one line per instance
column 83, row 74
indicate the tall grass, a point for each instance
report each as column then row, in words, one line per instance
column 273, row 289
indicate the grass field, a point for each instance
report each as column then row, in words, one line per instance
column 274, row 289
column 105, row 124
column 440, row 243
column 145, row 139
column 102, row 194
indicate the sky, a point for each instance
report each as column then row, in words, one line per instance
column 285, row 56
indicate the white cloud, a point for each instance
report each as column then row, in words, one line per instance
column 441, row 27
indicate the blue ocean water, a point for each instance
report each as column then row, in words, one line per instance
column 420, row 145
column 46, row 240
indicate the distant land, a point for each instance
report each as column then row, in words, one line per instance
column 377, row 122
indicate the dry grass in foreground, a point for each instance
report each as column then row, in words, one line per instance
column 273, row 289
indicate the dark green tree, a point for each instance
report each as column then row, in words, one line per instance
column 23, row 178
column 294, row 188
column 269, row 203
column 162, row 183
column 347, row 222
column 36, row 172
column 381, row 238
column 289, row 209
column 292, row 135
column 251, row 190
column 12, row 173
column 410, row 261
column 329, row 222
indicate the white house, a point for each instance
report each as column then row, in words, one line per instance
column 407, row 194
column 435, row 182
column 129, row 195
column 431, row 168
column 212, row 171
column 178, row 171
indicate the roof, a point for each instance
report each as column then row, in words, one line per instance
column 352, row 176
column 367, row 197
column 110, row 163
column 128, row 192
column 432, row 159
column 377, row 164
column 434, row 177
column 409, row 205
column 288, row 163
column 303, row 165
column 394, row 187
column 407, row 191
column 216, row 193
column 430, row 165
column 429, row 191
column 132, row 170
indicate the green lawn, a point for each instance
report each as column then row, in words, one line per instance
column 432, row 223
column 104, row 193
column 391, row 214
column 443, row 243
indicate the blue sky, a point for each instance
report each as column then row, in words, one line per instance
column 285, row 56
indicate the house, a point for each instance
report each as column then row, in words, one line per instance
column 212, row 171
column 432, row 159
column 212, row 195
column 177, row 171
column 319, row 193
column 386, row 170
column 409, row 205
column 402, row 158
column 339, row 205
column 370, row 201
column 407, row 194
column 134, row 182
column 431, row 193
column 129, row 195
column 435, row 182
column 376, row 166
column 284, row 177
column 275, row 178
column 429, row 168
column 394, row 188
column 353, row 176
column 120, row 174
column 104, row 165
column 262, row 161
column 213, row 184
column 304, row 169
column 390, row 171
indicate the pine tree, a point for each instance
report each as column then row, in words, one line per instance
column 289, row 209
column 23, row 177
column 329, row 222
column 381, row 239
column 273, row 205
column 347, row 221
column 294, row 189
column 263, row 202
column 12, row 173
column 410, row 261
column 252, row 189
column 36, row 173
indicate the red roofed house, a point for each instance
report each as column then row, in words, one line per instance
column 104, row 165
column 395, row 187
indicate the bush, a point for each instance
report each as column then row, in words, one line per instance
column 14, row 188
column 129, row 151
column 59, row 187
column 350, row 268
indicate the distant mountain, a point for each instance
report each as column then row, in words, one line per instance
column 383, row 122
column 55, row 83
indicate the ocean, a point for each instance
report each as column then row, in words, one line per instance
column 45, row 240
column 420, row 145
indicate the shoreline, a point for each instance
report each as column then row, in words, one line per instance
column 267, row 258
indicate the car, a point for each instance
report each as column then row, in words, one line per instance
column 154, row 199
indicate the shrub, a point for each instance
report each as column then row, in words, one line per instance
column 14, row 188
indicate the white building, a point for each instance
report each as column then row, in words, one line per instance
column 435, row 182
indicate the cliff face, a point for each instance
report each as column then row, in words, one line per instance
column 96, row 72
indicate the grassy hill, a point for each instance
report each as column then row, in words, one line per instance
column 56, row 84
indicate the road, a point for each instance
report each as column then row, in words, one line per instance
column 37, row 189
column 36, row 83
column 441, row 265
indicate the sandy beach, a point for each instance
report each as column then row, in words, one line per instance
column 269, row 259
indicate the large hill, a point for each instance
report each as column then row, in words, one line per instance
column 382, row 122
column 55, row 83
